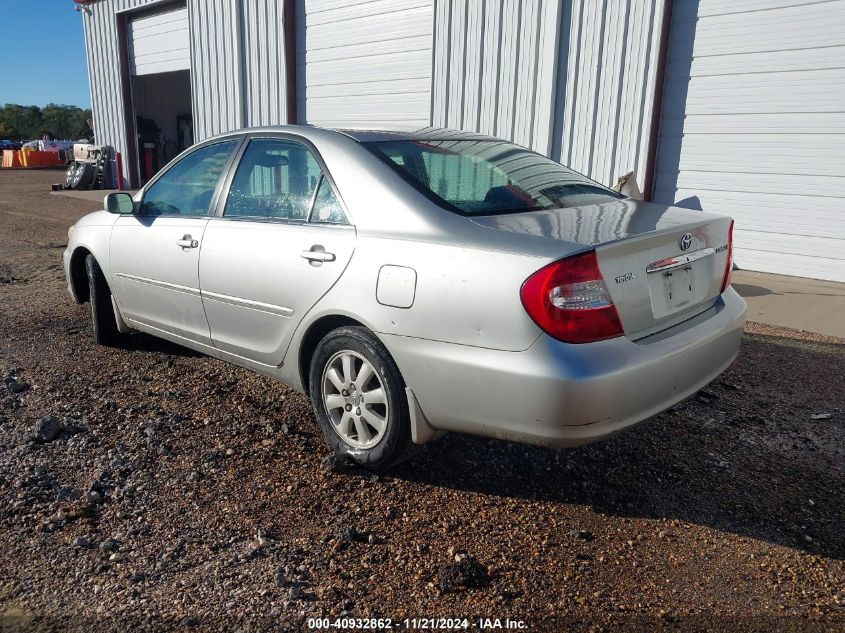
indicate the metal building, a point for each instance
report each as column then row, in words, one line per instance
column 725, row 106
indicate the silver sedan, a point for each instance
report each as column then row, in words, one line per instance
column 417, row 283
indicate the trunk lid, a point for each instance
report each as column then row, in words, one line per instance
column 661, row 265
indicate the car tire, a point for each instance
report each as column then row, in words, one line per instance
column 70, row 174
column 75, row 175
column 84, row 176
column 347, row 426
column 102, row 311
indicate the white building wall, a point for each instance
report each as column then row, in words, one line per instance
column 264, row 70
column 753, row 125
column 216, row 67
column 364, row 62
column 495, row 68
column 606, row 86
column 239, row 67
column 572, row 79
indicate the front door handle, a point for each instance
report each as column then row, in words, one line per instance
column 188, row 242
column 317, row 254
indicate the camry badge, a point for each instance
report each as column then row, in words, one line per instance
column 686, row 241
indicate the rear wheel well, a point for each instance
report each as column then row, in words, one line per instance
column 312, row 338
column 79, row 275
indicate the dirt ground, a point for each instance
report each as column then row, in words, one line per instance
column 184, row 492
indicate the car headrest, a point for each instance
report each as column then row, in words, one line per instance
column 268, row 159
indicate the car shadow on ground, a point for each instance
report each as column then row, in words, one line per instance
column 744, row 460
column 750, row 290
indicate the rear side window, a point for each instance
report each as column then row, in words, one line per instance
column 488, row 177
column 187, row 187
column 326, row 207
column 276, row 178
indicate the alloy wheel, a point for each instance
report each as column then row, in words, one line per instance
column 355, row 399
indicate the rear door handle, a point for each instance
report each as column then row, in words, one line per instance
column 317, row 255
column 187, row 242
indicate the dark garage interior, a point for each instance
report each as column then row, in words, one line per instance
column 162, row 104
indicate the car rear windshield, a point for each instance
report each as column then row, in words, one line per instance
column 488, row 177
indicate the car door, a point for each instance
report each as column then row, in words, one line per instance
column 280, row 240
column 154, row 253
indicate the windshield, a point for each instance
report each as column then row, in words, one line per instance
column 488, row 177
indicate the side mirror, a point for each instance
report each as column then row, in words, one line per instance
column 119, row 203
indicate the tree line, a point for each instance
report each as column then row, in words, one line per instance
column 26, row 123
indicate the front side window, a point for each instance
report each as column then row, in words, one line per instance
column 187, row 187
column 488, row 177
column 276, row 179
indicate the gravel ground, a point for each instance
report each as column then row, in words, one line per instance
column 149, row 486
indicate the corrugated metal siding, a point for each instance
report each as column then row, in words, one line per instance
column 608, row 96
column 158, row 43
column 494, row 68
column 264, row 63
column 238, row 54
column 366, row 62
column 753, row 125
column 572, row 79
column 216, row 69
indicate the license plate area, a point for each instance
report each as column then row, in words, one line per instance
column 679, row 282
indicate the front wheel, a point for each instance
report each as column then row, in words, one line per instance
column 102, row 311
column 359, row 399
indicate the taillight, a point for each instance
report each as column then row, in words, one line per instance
column 569, row 301
column 730, row 264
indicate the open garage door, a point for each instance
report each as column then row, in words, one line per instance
column 160, row 63
column 158, row 43
column 364, row 63
column 753, row 125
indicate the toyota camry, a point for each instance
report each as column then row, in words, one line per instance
column 417, row 283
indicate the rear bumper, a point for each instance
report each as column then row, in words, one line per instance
column 566, row 395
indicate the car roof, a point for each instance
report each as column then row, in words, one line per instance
column 421, row 134
column 371, row 135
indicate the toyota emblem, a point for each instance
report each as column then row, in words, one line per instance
column 686, row 241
